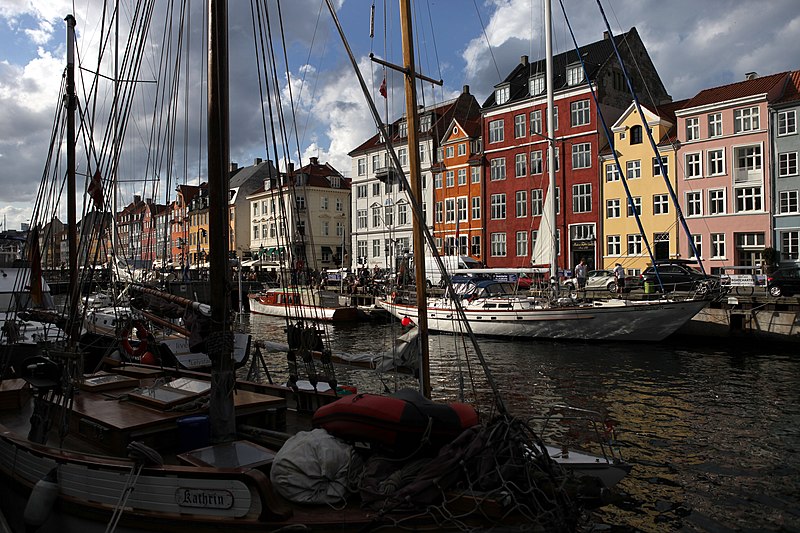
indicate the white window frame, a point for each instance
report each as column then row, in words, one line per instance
column 582, row 198
column 498, row 206
column 496, row 134
column 634, row 244
column 521, row 203
column 475, row 174
column 580, row 113
column 715, row 196
column 502, row 95
column 790, row 245
column 787, row 164
column 692, row 129
column 536, row 122
column 521, row 165
column 461, row 209
column 497, row 168
column 715, row 124
column 661, row 204
column 582, row 155
column 537, row 202
column 362, row 166
column 613, row 209
column 744, row 196
column 633, row 169
column 498, row 244
column 717, row 246
column 520, row 128
column 476, row 208
column 536, row 85
column 522, row 243
column 613, row 245
column 715, row 163
column 789, row 202
column 537, row 163
column 693, row 165
column 657, row 167
column 449, row 210
column 746, row 119
column 694, row 204
column 462, row 176
column 632, row 203
column 574, row 75
column 612, row 172
column 787, row 122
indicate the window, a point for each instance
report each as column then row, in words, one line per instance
column 698, row 247
column 657, row 167
column 462, row 176
column 788, row 202
column 633, row 169
column 361, row 191
column 556, row 159
column 388, row 215
column 255, row 231
column 449, row 210
column 745, row 119
column 376, row 189
column 498, row 244
column 475, row 174
column 362, row 166
column 438, row 212
column 536, row 85
column 323, row 203
column 502, row 94
column 582, row 155
column 634, row 244
column 425, row 122
column 536, row 202
column 521, row 165
column 579, row 113
column 787, row 122
column 522, row 243
column 440, row 154
column 613, row 208
column 790, row 245
column 496, row 131
column 717, row 245
column 497, row 168
column 450, row 178
column 715, row 125
column 437, row 180
column 692, row 129
column 376, row 247
column 747, row 161
column 787, row 164
column 498, row 206
column 716, row 202
column 462, row 208
column 402, row 214
column 255, row 209
column 519, row 126
column 574, row 75
column 536, row 162
column 475, row 245
column 326, row 228
column 422, row 150
column 376, row 217
column 636, row 134
column 402, row 155
column 536, row 122
column 635, row 203
column 361, row 219
column 660, row 204
column 612, row 173
column 582, row 198
column 376, row 162
column 693, row 166
column 716, row 162
column 462, row 149
column 555, row 118
column 613, row 246
column 449, row 151
column 476, row 208
column 522, row 203
column 748, row 199
column 694, row 204
column 557, row 198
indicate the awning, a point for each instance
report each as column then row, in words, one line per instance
column 327, row 249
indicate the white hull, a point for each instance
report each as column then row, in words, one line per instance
column 586, row 464
column 616, row 320
column 311, row 312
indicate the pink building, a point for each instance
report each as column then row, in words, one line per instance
column 724, row 171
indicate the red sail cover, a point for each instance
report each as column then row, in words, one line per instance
column 395, row 422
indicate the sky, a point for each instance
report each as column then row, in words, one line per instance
column 694, row 45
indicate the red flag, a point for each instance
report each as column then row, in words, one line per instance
column 96, row 190
column 382, row 90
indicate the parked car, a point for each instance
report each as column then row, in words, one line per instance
column 602, row 279
column 784, row 281
column 678, row 276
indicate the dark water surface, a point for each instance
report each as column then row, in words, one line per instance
column 712, row 430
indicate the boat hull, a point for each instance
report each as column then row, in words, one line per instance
column 616, row 321
column 311, row 312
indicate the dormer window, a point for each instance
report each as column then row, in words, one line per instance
column 502, row 94
column 536, row 85
column 424, row 123
column 336, row 182
column 403, row 129
column 574, row 74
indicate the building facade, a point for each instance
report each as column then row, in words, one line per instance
column 786, row 198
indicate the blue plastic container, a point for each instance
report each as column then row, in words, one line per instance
column 193, row 432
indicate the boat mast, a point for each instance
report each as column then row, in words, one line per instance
column 72, row 209
column 220, row 342
column 551, row 134
column 416, row 189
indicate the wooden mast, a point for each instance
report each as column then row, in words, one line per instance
column 220, row 342
column 551, row 136
column 416, row 190
column 72, row 204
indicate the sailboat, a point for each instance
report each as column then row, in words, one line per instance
column 141, row 451
column 494, row 308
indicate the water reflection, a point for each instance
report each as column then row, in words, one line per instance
column 713, row 431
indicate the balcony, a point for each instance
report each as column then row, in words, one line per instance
column 387, row 174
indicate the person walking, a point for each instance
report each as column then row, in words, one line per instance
column 619, row 275
column 580, row 273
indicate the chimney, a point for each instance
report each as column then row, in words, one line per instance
column 606, row 35
column 315, row 161
column 465, row 89
column 257, row 161
column 750, row 75
column 524, row 61
column 234, row 166
column 137, row 199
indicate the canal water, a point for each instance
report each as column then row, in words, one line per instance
column 712, row 430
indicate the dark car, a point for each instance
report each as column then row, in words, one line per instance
column 784, row 281
column 677, row 276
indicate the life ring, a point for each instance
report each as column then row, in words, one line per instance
column 140, row 353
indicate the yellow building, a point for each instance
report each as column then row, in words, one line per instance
column 623, row 239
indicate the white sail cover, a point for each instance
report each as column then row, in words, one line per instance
column 545, row 239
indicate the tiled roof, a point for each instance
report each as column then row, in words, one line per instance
column 261, row 171
column 594, row 56
column 318, row 174
column 792, row 91
column 736, row 90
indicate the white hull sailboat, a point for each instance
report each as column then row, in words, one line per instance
column 298, row 303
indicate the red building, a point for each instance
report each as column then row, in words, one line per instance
column 515, row 148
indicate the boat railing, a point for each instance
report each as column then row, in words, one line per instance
column 574, row 424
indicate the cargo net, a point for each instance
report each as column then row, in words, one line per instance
column 495, row 476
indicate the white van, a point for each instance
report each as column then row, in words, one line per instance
column 451, row 263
